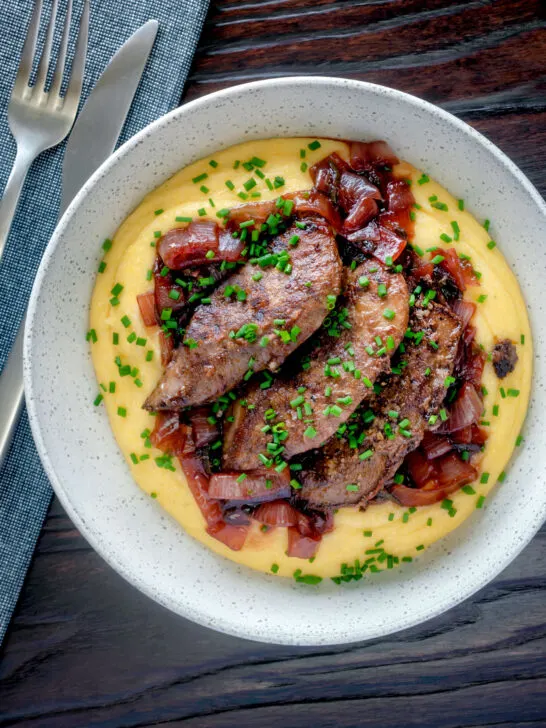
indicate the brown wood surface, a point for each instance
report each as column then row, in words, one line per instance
column 86, row 649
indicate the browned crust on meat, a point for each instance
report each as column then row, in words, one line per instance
column 218, row 362
column 244, row 439
column 414, row 394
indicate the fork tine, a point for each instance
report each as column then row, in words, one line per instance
column 41, row 73
column 61, row 58
column 74, row 89
column 25, row 65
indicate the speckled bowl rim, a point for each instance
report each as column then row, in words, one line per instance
column 223, row 622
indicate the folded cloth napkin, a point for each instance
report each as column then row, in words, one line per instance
column 25, row 492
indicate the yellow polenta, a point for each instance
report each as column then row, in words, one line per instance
column 501, row 314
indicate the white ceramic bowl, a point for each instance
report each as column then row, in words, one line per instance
column 79, row 452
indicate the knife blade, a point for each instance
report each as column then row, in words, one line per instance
column 92, row 140
column 99, row 123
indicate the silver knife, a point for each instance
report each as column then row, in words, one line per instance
column 98, row 126
column 92, row 140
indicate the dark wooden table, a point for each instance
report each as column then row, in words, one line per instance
column 86, row 649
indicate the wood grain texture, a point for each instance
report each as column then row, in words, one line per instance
column 86, row 649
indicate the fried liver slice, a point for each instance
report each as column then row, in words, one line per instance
column 218, row 361
column 415, row 395
column 363, row 310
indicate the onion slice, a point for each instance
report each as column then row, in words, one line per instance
column 465, row 411
column 188, row 246
column 169, row 434
column 277, row 513
column 202, row 430
column 146, row 305
column 365, row 154
column 464, row 310
column 252, row 487
column 302, row 547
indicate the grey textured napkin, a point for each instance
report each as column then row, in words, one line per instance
column 25, row 492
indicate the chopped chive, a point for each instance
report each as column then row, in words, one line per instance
column 480, row 501
column 314, row 145
column 199, row 178
column 423, row 179
column 98, row 399
column 122, row 411
column 491, row 244
column 102, row 266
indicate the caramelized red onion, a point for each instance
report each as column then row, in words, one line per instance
column 465, row 411
column 315, row 203
column 231, row 535
column 441, row 477
column 185, row 247
column 229, row 248
column 146, row 305
column 366, row 154
column 255, row 487
column 302, row 547
column 203, row 431
column 460, row 270
column 464, row 310
column 169, row 434
column 357, row 198
column 166, row 346
column 257, row 211
column 167, row 293
column 326, row 174
column 435, row 445
column 278, row 513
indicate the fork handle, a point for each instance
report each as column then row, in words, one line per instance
column 11, row 394
column 8, row 203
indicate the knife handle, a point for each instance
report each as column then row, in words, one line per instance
column 11, row 394
column 12, row 192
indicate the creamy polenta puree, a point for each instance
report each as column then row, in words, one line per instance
column 400, row 531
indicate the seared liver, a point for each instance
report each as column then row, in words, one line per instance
column 219, row 362
column 364, row 309
column 413, row 394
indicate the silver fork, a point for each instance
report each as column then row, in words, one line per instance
column 40, row 119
